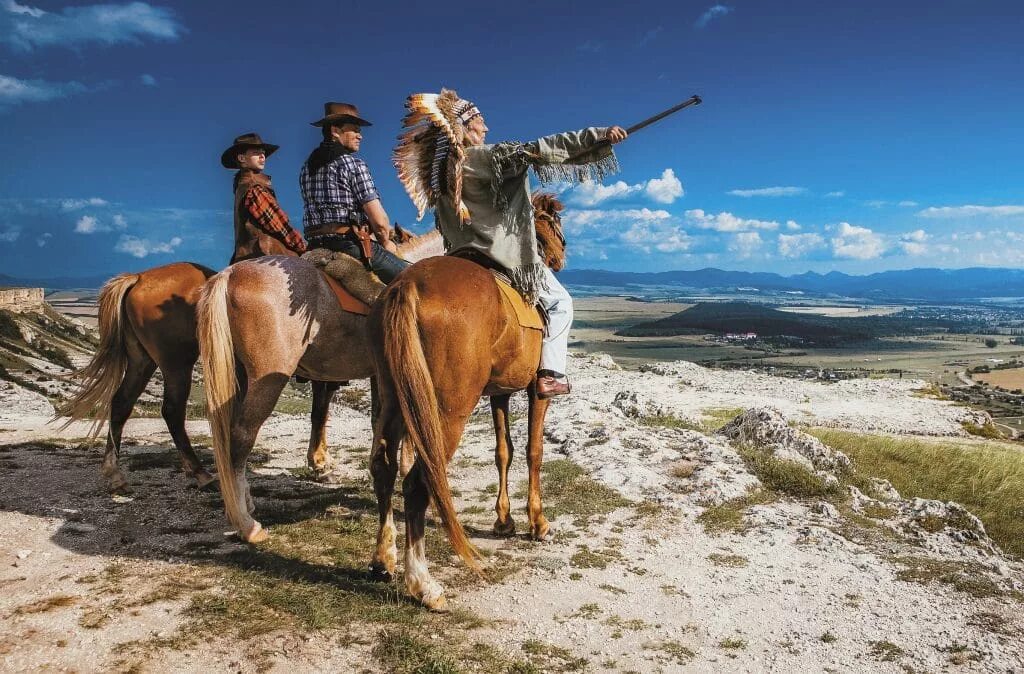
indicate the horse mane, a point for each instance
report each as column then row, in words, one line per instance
column 548, row 223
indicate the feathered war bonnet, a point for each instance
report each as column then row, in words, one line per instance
column 430, row 154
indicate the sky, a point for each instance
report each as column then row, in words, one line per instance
column 843, row 136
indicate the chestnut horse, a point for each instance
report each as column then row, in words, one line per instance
column 443, row 336
column 147, row 320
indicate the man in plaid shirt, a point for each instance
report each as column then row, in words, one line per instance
column 261, row 227
column 340, row 201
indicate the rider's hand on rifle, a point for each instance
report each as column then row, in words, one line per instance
column 616, row 134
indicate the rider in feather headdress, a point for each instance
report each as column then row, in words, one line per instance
column 481, row 200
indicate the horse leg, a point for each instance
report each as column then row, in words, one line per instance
column 136, row 375
column 418, row 581
column 177, row 385
column 261, row 395
column 388, row 430
column 539, row 526
column 317, row 458
column 504, row 525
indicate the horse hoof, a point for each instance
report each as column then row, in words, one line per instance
column 379, row 574
column 257, row 534
column 539, row 531
column 506, row 528
column 437, row 604
column 118, row 486
column 206, row 481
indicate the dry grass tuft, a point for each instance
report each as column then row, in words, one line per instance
column 987, row 479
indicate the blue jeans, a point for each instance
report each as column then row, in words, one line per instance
column 385, row 264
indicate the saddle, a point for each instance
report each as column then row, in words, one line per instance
column 355, row 287
column 528, row 317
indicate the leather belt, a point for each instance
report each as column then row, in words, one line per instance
column 358, row 232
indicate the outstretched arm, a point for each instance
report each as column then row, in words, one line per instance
column 378, row 218
column 268, row 216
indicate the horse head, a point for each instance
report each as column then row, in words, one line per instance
column 400, row 235
column 548, row 223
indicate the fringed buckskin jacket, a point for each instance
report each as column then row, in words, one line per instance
column 261, row 227
column 496, row 190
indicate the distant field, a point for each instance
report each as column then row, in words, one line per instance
column 1009, row 379
column 843, row 311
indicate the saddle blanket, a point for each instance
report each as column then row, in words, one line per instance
column 346, row 300
column 528, row 317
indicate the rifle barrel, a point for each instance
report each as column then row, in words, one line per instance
column 692, row 100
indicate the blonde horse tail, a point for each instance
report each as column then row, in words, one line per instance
column 218, row 356
column 414, row 388
column 101, row 378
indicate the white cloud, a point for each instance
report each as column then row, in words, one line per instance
column 119, row 222
column 913, row 243
column 836, row 194
column 746, row 244
column 43, row 239
column 27, row 28
column 148, row 80
column 970, row 210
column 857, row 243
column 78, row 204
column 908, row 203
column 778, row 191
column 9, row 233
column 665, row 189
column 798, row 245
column 662, row 237
column 87, row 224
column 592, row 193
column 575, row 222
column 876, row 203
column 726, row 222
column 712, row 12
column 140, row 248
column 15, row 92
column 792, row 225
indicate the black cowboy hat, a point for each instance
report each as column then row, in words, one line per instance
column 247, row 141
column 337, row 114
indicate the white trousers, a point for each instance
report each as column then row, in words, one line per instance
column 558, row 304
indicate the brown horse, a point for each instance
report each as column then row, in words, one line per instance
column 443, row 336
column 260, row 321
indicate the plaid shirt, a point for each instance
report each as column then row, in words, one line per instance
column 266, row 214
column 336, row 192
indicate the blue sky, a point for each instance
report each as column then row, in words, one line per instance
column 851, row 136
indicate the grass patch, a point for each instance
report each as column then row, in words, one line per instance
column 732, row 644
column 931, row 390
column 670, row 421
column 987, row 479
column 961, row 576
column 885, row 651
column 985, row 430
column 788, row 477
column 551, row 658
column 46, row 605
column 675, row 651
column 733, row 561
column 571, row 491
column 585, row 558
column 716, row 417
column 828, row 638
column 727, row 517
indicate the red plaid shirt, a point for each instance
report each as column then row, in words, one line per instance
column 268, row 216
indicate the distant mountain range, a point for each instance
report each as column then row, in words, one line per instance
column 915, row 284
column 910, row 284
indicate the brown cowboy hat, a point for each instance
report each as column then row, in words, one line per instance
column 229, row 159
column 336, row 114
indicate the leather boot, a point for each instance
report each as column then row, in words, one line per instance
column 549, row 386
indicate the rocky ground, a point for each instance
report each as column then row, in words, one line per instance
column 670, row 550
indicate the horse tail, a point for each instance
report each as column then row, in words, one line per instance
column 101, row 378
column 414, row 388
column 217, row 351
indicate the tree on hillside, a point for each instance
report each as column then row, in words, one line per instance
column 991, row 343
